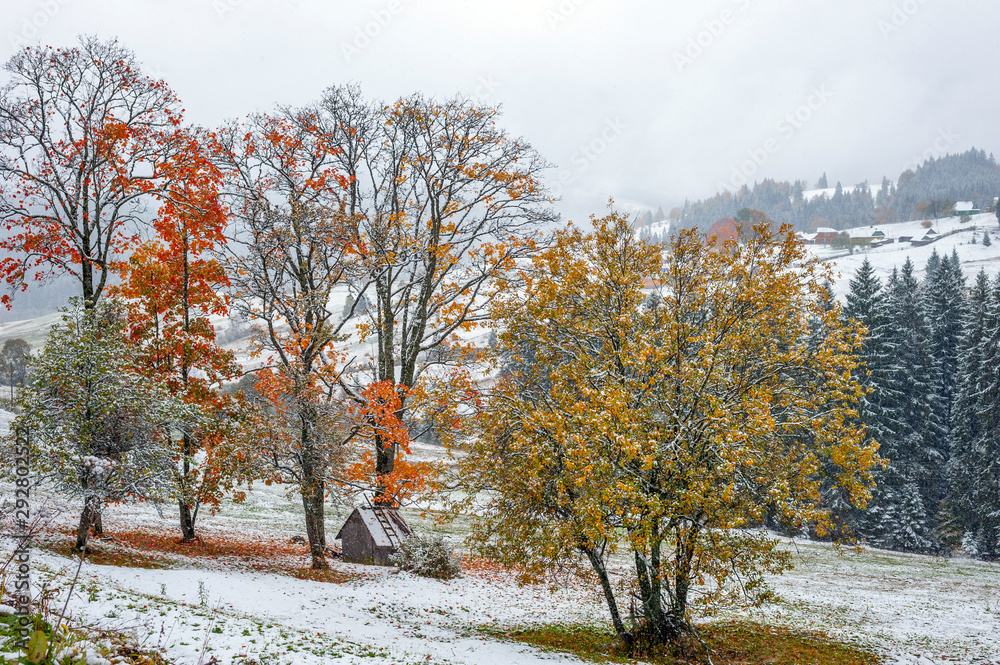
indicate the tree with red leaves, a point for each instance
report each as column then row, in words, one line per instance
column 174, row 284
column 88, row 145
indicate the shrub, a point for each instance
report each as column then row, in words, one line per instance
column 428, row 557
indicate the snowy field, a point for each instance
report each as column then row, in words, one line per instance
column 915, row 609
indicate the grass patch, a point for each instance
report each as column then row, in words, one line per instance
column 107, row 644
column 331, row 575
column 734, row 643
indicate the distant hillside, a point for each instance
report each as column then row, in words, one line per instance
column 929, row 192
column 964, row 237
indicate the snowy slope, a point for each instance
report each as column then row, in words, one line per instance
column 33, row 331
column 917, row 610
column 828, row 192
column 903, row 605
column 956, row 236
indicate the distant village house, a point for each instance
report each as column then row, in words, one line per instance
column 825, row 235
column 966, row 209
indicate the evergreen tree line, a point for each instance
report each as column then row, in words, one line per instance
column 930, row 362
column 929, row 191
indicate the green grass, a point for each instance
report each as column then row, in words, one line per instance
column 734, row 643
column 109, row 644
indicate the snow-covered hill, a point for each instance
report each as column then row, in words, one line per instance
column 33, row 331
column 828, row 192
column 235, row 335
column 953, row 234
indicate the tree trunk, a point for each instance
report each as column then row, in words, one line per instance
column 597, row 561
column 385, row 462
column 313, row 490
column 98, row 525
column 315, row 507
column 660, row 625
column 187, row 515
column 91, row 511
column 656, row 584
column 385, row 457
column 187, row 520
column 676, row 621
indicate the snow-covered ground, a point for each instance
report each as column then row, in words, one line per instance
column 935, row 607
column 381, row 617
column 957, row 236
column 915, row 609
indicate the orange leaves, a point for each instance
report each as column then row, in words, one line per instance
column 407, row 479
column 383, row 401
column 381, row 428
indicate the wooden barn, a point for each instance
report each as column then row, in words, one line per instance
column 371, row 535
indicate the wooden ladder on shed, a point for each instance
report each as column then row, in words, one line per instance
column 386, row 523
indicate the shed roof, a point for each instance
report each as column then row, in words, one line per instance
column 375, row 528
column 965, row 206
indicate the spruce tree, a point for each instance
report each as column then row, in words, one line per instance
column 944, row 303
column 984, row 492
column 967, row 425
column 866, row 305
column 933, row 263
column 905, row 500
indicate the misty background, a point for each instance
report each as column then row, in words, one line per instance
column 649, row 103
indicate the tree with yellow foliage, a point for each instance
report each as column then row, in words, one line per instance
column 663, row 429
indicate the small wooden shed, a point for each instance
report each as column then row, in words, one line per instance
column 372, row 534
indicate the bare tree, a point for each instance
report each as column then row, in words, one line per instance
column 290, row 249
column 443, row 203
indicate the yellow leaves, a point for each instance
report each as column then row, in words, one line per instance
column 675, row 421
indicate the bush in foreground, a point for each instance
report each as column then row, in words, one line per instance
column 428, row 557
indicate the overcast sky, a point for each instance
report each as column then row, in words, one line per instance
column 649, row 102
